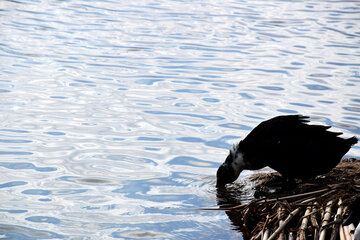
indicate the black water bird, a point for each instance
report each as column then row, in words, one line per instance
column 288, row 145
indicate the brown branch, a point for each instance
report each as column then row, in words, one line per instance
column 304, row 222
column 337, row 220
column 283, row 225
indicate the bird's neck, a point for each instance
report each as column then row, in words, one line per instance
column 238, row 163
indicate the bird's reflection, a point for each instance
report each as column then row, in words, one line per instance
column 231, row 196
column 234, row 195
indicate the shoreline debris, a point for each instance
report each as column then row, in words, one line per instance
column 314, row 209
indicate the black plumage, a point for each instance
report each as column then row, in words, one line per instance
column 288, row 145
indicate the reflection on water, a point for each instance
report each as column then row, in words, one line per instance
column 115, row 116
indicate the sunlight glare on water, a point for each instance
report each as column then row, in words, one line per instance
column 116, row 114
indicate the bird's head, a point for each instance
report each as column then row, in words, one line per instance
column 230, row 169
column 225, row 174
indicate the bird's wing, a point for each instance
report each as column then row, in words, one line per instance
column 289, row 138
column 272, row 130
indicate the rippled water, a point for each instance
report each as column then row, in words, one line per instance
column 116, row 114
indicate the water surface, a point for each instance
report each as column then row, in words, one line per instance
column 116, row 115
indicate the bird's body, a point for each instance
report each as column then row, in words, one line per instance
column 288, row 145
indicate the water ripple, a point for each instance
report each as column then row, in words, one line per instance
column 122, row 111
column 12, row 184
column 26, row 165
column 19, row 232
column 206, row 117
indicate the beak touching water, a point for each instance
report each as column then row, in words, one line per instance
column 225, row 174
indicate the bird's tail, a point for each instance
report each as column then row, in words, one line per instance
column 352, row 140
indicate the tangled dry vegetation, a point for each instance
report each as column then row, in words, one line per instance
column 314, row 209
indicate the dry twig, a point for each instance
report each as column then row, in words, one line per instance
column 304, row 222
column 283, row 225
column 326, row 219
